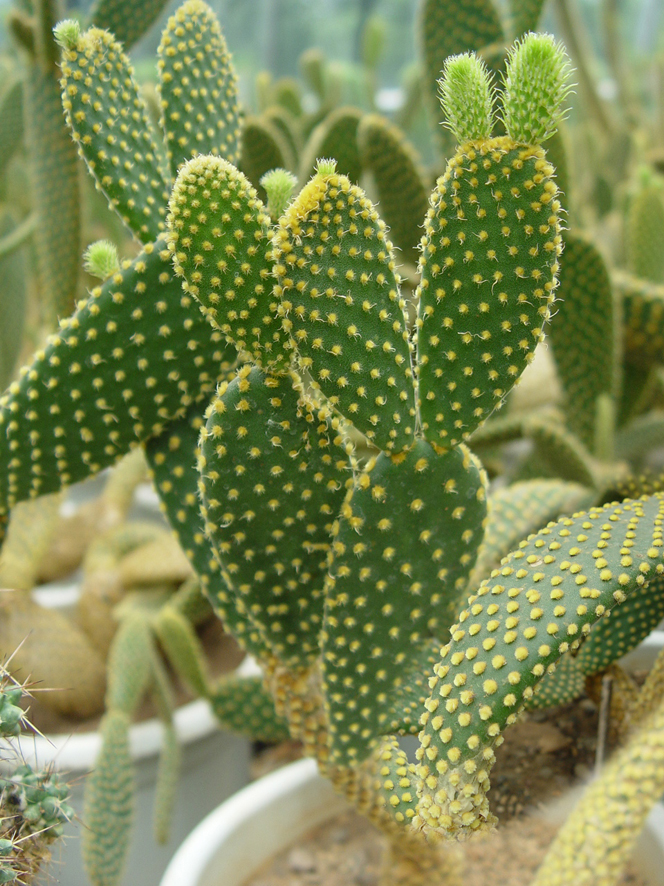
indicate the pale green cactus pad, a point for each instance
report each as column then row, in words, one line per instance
column 395, row 581
column 341, row 306
column 272, row 481
column 540, row 604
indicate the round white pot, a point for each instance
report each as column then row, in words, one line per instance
column 215, row 764
column 263, row 819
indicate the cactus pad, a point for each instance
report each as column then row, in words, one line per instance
column 219, row 234
column 484, row 298
column 341, row 305
column 127, row 20
column 394, row 582
column 272, row 482
column 198, row 87
column 109, row 122
column 542, row 601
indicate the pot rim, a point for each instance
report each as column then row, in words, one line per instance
column 77, row 752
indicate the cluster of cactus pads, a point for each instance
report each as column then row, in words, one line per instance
column 309, row 434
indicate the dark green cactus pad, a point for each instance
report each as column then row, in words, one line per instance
column 11, row 120
column 264, row 147
column 287, row 93
column 484, row 295
column 110, row 123
column 198, row 87
column 518, row 510
column 542, row 603
column 447, row 27
column 172, row 458
column 220, row 237
column 272, row 482
column 563, row 685
column 126, row 19
column 135, row 355
column 108, row 826
column 644, row 234
column 584, row 335
column 643, row 319
column 56, row 194
column 625, row 627
column 401, row 191
column 334, row 137
column 341, row 305
column 243, row 705
column 639, row 388
column 13, row 303
column 524, row 16
column 403, row 547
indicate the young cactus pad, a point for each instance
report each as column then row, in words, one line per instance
column 341, row 306
column 486, row 293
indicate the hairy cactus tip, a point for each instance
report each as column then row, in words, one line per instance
column 67, row 33
column 279, row 185
column 466, row 95
column 536, row 86
column 101, row 259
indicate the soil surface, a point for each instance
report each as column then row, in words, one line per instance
column 544, row 754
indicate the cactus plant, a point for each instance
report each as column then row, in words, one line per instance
column 342, row 509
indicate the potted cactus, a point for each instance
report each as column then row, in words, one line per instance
column 310, row 440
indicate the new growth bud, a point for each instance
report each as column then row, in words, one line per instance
column 101, row 259
column 66, row 33
column 536, row 86
column 466, row 95
column 279, row 185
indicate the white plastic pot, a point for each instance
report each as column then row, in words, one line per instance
column 215, row 764
column 263, row 819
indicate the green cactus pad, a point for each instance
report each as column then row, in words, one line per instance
column 108, row 825
column 394, row 581
column 172, row 459
column 583, row 334
column 126, row 19
column 401, row 191
column 561, row 451
column 342, row 308
column 644, row 234
column 56, row 193
column 264, row 147
column 517, row 510
column 643, row 319
column 541, row 603
column 335, row 137
column 198, row 87
column 181, row 644
column 272, row 482
column 448, row 28
column 129, row 665
column 14, row 276
column 133, row 357
column 484, row 296
column 642, row 434
column 109, row 121
column 168, row 775
column 220, row 237
column 243, row 705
